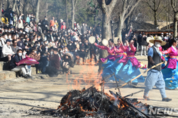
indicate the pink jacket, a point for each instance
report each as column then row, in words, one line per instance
column 173, row 52
column 110, row 51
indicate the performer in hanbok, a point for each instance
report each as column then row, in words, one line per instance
column 170, row 71
column 131, row 65
column 115, row 54
column 113, row 51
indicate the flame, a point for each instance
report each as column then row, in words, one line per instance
column 88, row 79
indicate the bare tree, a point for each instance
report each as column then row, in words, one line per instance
column 73, row 3
column 127, row 7
column 175, row 10
column 0, row 8
column 65, row 2
column 37, row 10
column 14, row 5
column 154, row 6
column 107, row 7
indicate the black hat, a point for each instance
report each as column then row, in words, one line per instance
column 55, row 49
column 8, row 40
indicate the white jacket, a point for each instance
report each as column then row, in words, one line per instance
column 6, row 50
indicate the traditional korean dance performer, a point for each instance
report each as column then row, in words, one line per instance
column 115, row 54
column 170, row 72
column 131, row 65
column 155, row 76
column 113, row 51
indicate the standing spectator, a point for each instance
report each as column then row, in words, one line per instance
column 52, row 23
column 7, row 51
column 66, row 64
column 144, row 45
column 98, row 30
column 44, row 62
column 82, row 52
column 54, row 64
column 84, row 29
column 45, row 24
column 139, row 40
column 20, row 22
column 56, row 25
column 28, row 19
column 87, row 46
column 135, row 41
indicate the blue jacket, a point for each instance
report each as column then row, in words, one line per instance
column 14, row 60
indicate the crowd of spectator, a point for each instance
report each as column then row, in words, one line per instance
column 55, row 46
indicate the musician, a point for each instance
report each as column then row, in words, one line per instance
column 155, row 76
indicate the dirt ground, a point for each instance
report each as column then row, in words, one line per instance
column 21, row 98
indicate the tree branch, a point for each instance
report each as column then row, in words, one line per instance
column 158, row 5
column 104, row 6
column 150, row 6
column 131, row 10
column 173, row 6
column 75, row 3
column 112, row 5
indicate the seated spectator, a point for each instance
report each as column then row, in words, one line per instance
column 28, row 67
column 35, row 56
column 20, row 43
column 7, row 51
column 14, row 46
column 20, row 68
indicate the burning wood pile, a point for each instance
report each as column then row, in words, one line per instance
column 96, row 104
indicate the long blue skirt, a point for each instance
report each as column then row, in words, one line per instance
column 122, row 72
column 171, row 77
column 111, row 68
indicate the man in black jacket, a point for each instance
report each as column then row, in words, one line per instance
column 45, row 24
column 21, row 68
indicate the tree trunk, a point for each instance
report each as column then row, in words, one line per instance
column 25, row 9
column 66, row 13
column 37, row 10
column 0, row 8
column 155, row 18
column 14, row 4
column 106, row 33
column 73, row 13
column 175, row 25
column 120, row 27
column 46, row 9
column 8, row 4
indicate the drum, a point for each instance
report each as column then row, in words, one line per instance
column 105, row 42
column 92, row 39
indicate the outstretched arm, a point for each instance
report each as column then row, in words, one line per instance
column 101, row 47
column 167, row 51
